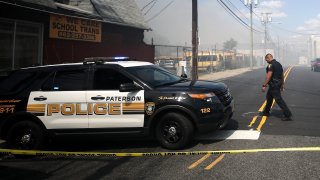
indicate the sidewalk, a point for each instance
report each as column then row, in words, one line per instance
column 225, row 74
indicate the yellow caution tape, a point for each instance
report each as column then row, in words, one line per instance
column 107, row 154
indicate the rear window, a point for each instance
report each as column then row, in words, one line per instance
column 72, row 80
column 16, row 81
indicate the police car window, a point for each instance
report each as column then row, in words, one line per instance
column 159, row 76
column 48, row 83
column 17, row 81
column 153, row 75
column 109, row 79
column 69, row 80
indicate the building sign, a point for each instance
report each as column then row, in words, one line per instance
column 64, row 27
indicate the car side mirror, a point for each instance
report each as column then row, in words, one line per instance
column 184, row 76
column 129, row 87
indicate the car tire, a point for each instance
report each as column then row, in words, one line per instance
column 174, row 131
column 25, row 135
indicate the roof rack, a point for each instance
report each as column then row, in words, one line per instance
column 101, row 60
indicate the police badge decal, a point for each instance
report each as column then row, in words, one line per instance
column 150, row 108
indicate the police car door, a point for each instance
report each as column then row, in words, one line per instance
column 61, row 102
column 112, row 108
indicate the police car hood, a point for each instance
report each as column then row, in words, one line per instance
column 196, row 86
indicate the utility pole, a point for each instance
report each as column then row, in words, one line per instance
column 251, row 37
column 310, row 49
column 215, row 49
column 194, row 40
column 250, row 3
column 315, row 49
column 265, row 20
column 278, row 52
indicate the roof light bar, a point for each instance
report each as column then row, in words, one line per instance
column 101, row 60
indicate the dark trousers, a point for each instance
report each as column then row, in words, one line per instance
column 274, row 92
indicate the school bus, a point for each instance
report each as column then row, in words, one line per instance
column 206, row 62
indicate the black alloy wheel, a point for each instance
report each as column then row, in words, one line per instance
column 25, row 135
column 174, row 131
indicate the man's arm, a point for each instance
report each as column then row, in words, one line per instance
column 268, row 78
column 282, row 82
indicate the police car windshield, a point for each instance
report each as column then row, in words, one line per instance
column 154, row 76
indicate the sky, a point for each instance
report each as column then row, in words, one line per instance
column 292, row 21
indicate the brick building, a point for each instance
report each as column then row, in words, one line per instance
column 60, row 31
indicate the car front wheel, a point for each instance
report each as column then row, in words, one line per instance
column 174, row 131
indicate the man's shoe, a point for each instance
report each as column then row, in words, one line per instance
column 287, row 119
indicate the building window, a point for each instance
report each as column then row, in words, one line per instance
column 20, row 44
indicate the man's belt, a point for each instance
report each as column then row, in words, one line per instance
column 275, row 81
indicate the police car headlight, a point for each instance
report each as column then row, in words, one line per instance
column 203, row 96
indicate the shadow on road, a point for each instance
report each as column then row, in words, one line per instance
column 17, row 173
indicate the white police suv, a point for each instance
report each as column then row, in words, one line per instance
column 108, row 96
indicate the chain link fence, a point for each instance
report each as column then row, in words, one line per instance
column 178, row 60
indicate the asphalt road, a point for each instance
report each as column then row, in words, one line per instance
column 302, row 95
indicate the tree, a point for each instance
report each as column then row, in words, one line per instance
column 230, row 44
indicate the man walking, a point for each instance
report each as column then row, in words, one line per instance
column 275, row 81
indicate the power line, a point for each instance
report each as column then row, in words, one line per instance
column 233, row 14
column 241, row 12
column 147, row 4
column 249, row 9
column 151, row 7
column 163, row 9
column 237, row 9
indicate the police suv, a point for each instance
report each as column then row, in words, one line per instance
column 108, row 96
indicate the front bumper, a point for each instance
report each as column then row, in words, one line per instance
column 217, row 119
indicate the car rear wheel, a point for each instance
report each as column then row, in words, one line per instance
column 174, row 131
column 25, row 135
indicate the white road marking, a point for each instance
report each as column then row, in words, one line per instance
column 250, row 114
column 226, row 135
column 231, row 135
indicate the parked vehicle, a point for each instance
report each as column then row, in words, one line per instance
column 104, row 96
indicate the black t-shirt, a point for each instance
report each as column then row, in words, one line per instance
column 276, row 68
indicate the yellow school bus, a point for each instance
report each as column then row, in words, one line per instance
column 206, row 62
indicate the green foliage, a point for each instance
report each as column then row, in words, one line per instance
column 230, row 44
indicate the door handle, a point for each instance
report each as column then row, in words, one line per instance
column 97, row 98
column 40, row 98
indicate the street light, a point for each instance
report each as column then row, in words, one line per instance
column 250, row 4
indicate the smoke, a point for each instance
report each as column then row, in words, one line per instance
column 173, row 25
column 216, row 26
